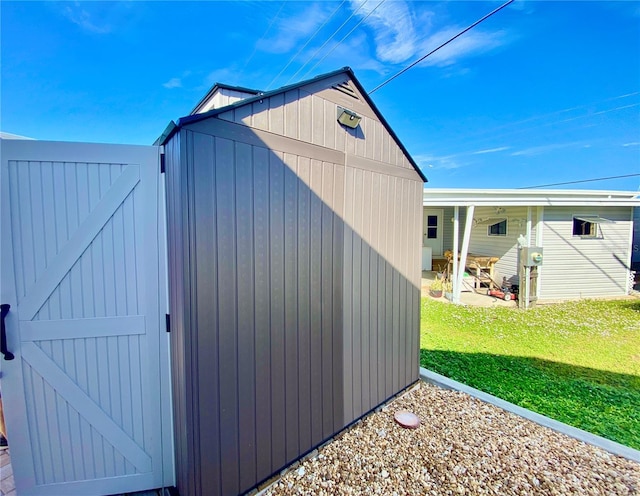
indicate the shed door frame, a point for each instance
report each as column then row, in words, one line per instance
column 46, row 380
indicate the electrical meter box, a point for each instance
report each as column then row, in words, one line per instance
column 532, row 256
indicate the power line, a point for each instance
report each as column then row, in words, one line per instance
column 582, row 181
column 328, row 40
column 305, row 45
column 345, row 37
column 255, row 48
column 491, row 131
column 439, row 47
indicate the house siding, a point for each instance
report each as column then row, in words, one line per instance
column 504, row 247
column 296, row 301
column 577, row 267
column 447, row 227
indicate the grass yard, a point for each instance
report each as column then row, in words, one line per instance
column 577, row 362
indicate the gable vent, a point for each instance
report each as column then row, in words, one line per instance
column 346, row 89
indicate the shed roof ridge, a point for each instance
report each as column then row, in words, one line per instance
column 171, row 129
column 222, row 86
column 260, row 95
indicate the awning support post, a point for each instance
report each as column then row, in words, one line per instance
column 454, row 275
column 463, row 254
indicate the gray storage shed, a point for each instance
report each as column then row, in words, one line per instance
column 294, row 269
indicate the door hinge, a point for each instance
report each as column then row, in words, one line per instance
column 162, row 163
column 167, row 320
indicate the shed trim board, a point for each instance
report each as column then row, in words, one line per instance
column 83, row 270
column 573, row 266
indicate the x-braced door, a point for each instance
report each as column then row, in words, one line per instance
column 87, row 395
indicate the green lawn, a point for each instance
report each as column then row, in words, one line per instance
column 577, row 362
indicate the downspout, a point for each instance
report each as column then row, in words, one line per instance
column 454, row 279
column 527, row 269
column 465, row 249
column 539, row 228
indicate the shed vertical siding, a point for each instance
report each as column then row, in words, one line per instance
column 289, row 114
column 184, row 362
column 576, row 267
column 381, row 288
column 297, row 304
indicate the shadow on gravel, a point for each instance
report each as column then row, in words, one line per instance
column 604, row 403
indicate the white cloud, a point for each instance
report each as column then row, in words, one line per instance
column 490, row 150
column 394, row 26
column 84, row 19
column 173, row 83
column 404, row 31
column 633, row 143
column 469, row 44
column 351, row 52
column 447, row 162
column 538, row 150
column 293, row 31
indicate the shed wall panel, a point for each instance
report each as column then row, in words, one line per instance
column 181, row 342
column 205, row 283
column 298, row 274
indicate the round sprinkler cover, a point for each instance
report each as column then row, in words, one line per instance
column 407, row 419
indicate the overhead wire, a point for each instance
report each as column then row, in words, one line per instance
column 441, row 46
column 327, row 41
column 491, row 136
column 580, row 181
column 344, row 38
column 255, row 48
column 305, row 45
column 491, row 132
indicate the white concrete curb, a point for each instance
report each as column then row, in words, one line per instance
column 579, row 434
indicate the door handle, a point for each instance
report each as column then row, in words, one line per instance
column 4, row 310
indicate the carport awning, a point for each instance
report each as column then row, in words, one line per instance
column 594, row 219
column 489, row 221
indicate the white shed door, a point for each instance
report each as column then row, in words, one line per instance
column 87, row 396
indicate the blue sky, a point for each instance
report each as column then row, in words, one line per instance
column 542, row 92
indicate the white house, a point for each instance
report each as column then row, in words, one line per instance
column 585, row 236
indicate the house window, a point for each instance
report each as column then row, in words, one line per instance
column 432, row 226
column 582, row 227
column 498, row 228
column 587, row 226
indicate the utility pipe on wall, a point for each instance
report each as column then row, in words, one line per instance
column 527, row 269
column 539, row 227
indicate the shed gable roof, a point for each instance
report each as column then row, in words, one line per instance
column 351, row 94
column 217, row 87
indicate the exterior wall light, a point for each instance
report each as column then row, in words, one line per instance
column 348, row 118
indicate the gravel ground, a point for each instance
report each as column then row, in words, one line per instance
column 463, row 446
